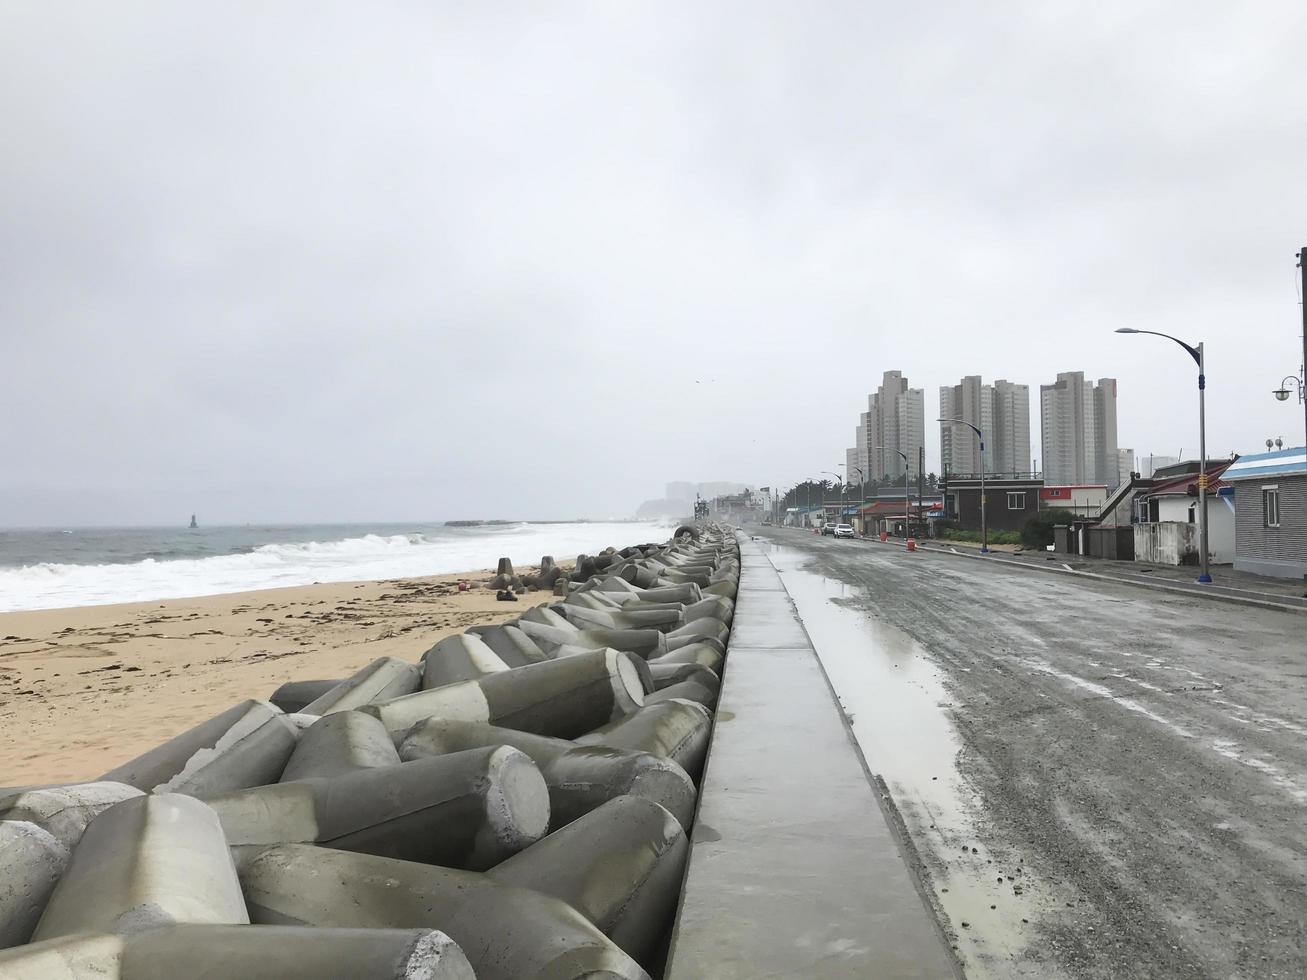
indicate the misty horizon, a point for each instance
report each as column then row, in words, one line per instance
column 480, row 262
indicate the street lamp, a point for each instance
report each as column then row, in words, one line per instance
column 1197, row 354
column 840, row 480
column 862, row 491
column 984, row 524
column 1282, row 393
column 907, row 505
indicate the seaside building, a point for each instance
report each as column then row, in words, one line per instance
column 1001, row 411
column 1079, row 430
column 895, row 419
column 1150, row 464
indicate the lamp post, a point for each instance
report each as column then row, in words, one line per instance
column 1282, row 393
column 839, row 480
column 861, row 483
column 984, row 524
column 1197, row 354
column 907, row 506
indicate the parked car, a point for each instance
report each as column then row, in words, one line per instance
column 844, row 531
column 828, row 529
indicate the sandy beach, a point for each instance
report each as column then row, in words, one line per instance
column 85, row 689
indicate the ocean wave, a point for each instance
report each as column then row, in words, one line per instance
column 50, row 585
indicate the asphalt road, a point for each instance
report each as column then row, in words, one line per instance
column 1098, row 780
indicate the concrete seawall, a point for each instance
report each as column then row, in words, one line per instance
column 794, row 869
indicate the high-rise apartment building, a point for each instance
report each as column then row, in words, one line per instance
column 1079, row 430
column 1001, row 411
column 895, row 419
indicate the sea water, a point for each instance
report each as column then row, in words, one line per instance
column 53, row 568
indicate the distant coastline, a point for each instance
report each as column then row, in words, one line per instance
column 577, row 520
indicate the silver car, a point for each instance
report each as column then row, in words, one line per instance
column 845, row 531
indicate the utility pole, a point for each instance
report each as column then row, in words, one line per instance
column 921, row 470
column 1302, row 269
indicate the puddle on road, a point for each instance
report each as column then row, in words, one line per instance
column 899, row 709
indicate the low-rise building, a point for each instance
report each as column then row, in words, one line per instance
column 1083, row 499
column 1168, row 531
column 1012, row 499
column 1270, row 501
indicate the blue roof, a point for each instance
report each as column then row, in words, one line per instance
column 1283, row 462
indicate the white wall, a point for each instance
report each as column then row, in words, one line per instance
column 1220, row 529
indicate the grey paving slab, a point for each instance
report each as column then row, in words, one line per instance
column 794, row 871
column 768, row 621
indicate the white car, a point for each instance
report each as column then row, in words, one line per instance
column 844, row 531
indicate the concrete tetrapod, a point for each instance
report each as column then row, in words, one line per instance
column 508, row 933
column 726, row 589
column 562, row 698
column 292, row 952
column 549, row 572
column 381, row 680
column 664, row 675
column 463, row 810
column 335, row 744
column 513, row 647
column 676, row 730
column 31, row 863
column 243, row 952
column 620, row 866
column 702, row 653
column 548, row 616
column 646, row 643
column 461, row 657
column 685, row 691
column 616, row 586
column 293, row 696
column 77, row 957
column 711, row 607
column 246, row 745
column 629, row 619
column 698, row 631
column 64, row 811
column 149, row 861
column 504, row 577
column 579, row 777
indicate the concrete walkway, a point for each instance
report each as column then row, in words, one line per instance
column 793, row 871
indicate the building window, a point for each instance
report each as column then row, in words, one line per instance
column 1271, row 506
column 1016, row 501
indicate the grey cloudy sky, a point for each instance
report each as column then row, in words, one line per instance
column 407, row 260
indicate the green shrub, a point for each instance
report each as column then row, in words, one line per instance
column 995, row 537
column 1038, row 530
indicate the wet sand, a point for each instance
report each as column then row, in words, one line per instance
column 83, row 690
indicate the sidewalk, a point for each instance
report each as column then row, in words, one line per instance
column 1226, row 583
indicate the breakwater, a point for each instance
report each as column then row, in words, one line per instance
column 512, row 803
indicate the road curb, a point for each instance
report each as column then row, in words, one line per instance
column 1260, row 600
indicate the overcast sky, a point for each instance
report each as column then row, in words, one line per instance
column 311, row 261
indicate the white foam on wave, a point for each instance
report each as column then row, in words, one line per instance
column 371, row 556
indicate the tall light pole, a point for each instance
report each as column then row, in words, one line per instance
column 907, row 506
column 861, row 489
column 840, row 481
column 1282, row 392
column 984, row 524
column 1197, row 354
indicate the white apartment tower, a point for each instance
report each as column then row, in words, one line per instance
column 1000, row 411
column 1079, row 430
column 895, row 419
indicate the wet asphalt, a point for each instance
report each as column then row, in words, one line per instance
column 1095, row 780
